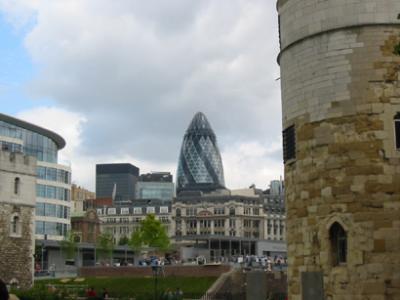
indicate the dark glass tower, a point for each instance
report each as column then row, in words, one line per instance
column 200, row 165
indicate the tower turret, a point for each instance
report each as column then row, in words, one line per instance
column 341, row 132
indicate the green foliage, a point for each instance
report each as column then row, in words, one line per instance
column 151, row 233
column 123, row 241
column 69, row 245
column 396, row 49
column 121, row 287
column 104, row 246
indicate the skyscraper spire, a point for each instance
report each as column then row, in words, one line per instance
column 200, row 165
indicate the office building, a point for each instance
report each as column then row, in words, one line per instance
column 155, row 185
column 117, row 181
column 53, row 185
column 200, row 165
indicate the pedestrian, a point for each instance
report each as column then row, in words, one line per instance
column 3, row 291
column 178, row 294
column 91, row 293
column 105, row 294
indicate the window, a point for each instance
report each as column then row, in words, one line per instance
column 124, row 210
column 219, row 210
column 163, row 209
column 137, row 210
column 16, row 185
column 111, row 211
column 232, row 211
column 338, row 239
column 150, row 210
column 178, row 212
column 15, row 225
column 289, row 143
column 397, row 130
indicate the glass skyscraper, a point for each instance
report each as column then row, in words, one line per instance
column 200, row 165
column 53, row 184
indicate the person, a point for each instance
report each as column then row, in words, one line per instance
column 91, row 293
column 178, row 294
column 105, row 294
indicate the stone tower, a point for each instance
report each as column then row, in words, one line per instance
column 340, row 63
column 17, row 218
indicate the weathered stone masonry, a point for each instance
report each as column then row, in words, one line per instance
column 341, row 91
column 17, row 217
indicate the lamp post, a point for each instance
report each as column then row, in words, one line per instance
column 42, row 258
column 155, row 269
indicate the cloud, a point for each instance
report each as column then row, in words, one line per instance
column 137, row 72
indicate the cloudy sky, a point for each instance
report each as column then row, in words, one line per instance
column 120, row 80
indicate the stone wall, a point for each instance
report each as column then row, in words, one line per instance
column 341, row 90
column 17, row 238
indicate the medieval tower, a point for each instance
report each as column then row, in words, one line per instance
column 17, row 218
column 340, row 64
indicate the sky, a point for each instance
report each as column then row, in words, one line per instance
column 121, row 80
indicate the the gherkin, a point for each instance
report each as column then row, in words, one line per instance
column 200, row 165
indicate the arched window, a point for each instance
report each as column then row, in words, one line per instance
column 338, row 239
column 397, row 130
column 16, row 185
column 178, row 212
column 232, row 211
column 15, row 226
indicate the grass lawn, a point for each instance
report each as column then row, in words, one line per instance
column 120, row 287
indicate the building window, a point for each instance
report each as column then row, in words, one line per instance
column 163, row 209
column 124, row 210
column 178, row 212
column 289, row 143
column 232, row 211
column 338, row 239
column 16, row 185
column 15, row 226
column 397, row 130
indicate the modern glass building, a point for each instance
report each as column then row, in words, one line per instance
column 121, row 177
column 53, row 188
column 155, row 185
column 200, row 165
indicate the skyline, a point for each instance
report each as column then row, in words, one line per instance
column 109, row 77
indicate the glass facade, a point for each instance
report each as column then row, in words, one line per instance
column 43, row 145
column 200, row 165
column 155, row 190
column 54, row 174
column 35, row 144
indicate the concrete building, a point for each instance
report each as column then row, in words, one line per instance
column 155, row 185
column 78, row 197
column 340, row 97
column 122, row 221
column 117, row 181
column 17, row 218
column 53, row 186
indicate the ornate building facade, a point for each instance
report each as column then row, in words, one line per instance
column 340, row 92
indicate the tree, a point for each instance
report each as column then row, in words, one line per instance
column 123, row 241
column 104, row 246
column 69, row 245
column 151, row 233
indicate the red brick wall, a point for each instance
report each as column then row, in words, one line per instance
column 181, row 271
